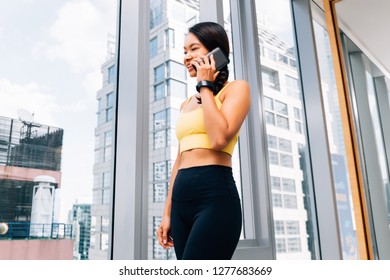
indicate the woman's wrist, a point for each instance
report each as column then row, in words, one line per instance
column 205, row 84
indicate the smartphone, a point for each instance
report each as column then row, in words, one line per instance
column 220, row 59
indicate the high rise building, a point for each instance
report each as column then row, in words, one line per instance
column 30, row 174
column 81, row 222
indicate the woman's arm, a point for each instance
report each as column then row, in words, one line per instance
column 165, row 226
column 221, row 125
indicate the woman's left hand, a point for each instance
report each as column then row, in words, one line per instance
column 205, row 68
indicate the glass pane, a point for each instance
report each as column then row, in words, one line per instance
column 170, row 20
column 377, row 124
column 56, row 116
column 337, row 146
column 288, row 152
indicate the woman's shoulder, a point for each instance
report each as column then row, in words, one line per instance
column 238, row 84
column 237, row 87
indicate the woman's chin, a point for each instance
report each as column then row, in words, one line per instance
column 192, row 73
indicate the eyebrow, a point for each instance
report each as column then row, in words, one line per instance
column 192, row 45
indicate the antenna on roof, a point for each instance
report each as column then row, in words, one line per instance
column 27, row 119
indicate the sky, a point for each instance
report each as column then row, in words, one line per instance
column 51, row 53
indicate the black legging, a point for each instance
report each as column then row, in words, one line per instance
column 206, row 213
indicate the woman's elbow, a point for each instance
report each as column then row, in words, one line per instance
column 219, row 144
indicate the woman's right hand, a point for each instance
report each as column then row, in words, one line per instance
column 163, row 233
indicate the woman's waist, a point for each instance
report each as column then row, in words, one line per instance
column 203, row 157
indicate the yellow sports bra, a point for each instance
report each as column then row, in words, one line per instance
column 191, row 131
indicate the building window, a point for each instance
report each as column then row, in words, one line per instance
column 279, row 227
column 153, row 47
column 270, row 54
column 109, row 108
column 162, row 127
column 156, row 13
column 160, row 191
column 286, row 160
column 176, row 70
column 290, row 201
column 107, row 146
column 105, row 224
column 273, row 157
column 292, row 87
column 270, row 78
column 159, row 73
column 99, row 112
column 161, row 176
column 280, row 151
column 292, row 227
column 277, row 200
column 177, row 89
column 289, row 185
column 294, row 245
column 275, row 183
column 160, row 120
column 276, row 113
column 111, row 74
column 280, row 245
column 104, row 241
column 169, row 39
column 159, row 91
column 160, row 139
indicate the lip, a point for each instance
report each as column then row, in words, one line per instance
column 190, row 67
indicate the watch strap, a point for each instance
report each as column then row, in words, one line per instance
column 205, row 83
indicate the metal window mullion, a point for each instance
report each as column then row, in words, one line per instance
column 253, row 137
column 320, row 157
column 129, row 236
column 384, row 112
column 374, row 185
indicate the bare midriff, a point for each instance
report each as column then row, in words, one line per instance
column 201, row 157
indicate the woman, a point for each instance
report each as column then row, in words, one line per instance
column 202, row 215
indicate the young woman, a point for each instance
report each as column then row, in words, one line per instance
column 202, row 215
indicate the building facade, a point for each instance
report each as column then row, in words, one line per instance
column 30, row 175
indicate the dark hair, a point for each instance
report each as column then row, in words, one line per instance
column 213, row 35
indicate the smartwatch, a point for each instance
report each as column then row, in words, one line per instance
column 205, row 83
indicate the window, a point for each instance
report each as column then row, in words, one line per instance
column 156, row 13
column 106, row 188
column 294, row 245
column 107, row 146
column 292, row 87
column 160, row 139
column 111, row 74
column 159, row 79
column 159, row 91
column 280, row 245
column 99, row 112
column 169, row 38
column 104, row 241
column 177, row 89
column 159, row 73
column 292, row 227
column 270, row 78
column 153, row 47
column 279, row 227
column 276, row 113
column 176, row 70
column 160, row 192
column 109, row 109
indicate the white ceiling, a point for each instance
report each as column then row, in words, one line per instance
column 367, row 24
